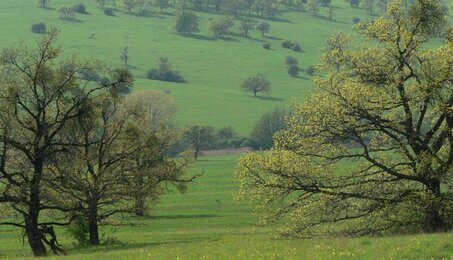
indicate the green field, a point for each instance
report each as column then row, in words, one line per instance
column 206, row 221
column 213, row 68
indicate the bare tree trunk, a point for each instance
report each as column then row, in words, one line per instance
column 139, row 195
column 31, row 221
column 93, row 223
column 433, row 219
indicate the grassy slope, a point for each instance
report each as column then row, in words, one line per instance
column 214, row 69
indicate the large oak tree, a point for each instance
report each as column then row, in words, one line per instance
column 371, row 150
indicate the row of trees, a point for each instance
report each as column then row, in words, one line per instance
column 72, row 147
column 186, row 23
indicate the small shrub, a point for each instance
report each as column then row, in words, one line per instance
column 234, row 142
column 296, row 47
column 293, row 70
column 246, row 143
column 109, row 12
column 78, row 230
column 286, row 44
column 266, row 45
column 79, row 8
column 310, row 70
column 38, row 28
column 355, row 20
column 167, row 91
column 169, row 75
column 291, row 61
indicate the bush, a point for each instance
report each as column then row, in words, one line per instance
column 79, row 8
column 293, row 70
column 78, row 229
column 38, row 28
column 246, row 143
column 170, row 75
column 234, row 142
column 286, row 44
column 266, row 45
column 355, row 20
column 290, row 61
column 310, row 70
column 296, row 47
column 109, row 12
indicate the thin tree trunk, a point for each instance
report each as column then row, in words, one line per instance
column 139, row 195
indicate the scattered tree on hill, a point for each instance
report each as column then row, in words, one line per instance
column 165, row 72
column 186, row 22
column 313, row 7
column 264, row 130
column 39, row 28
column 128, row 5
column 221, row 26
column 263, row 27
column 331, row 11
column 293, row 70
column 265, row 8
column 199, row 137
column 391, row 117
column 325, row 3
column 247, row 25
column 66, row 13
column 101, row 3
column 162, row 4
column 368, row 6
column 257, row 84
column 291, row 61
column 43, row 3
column 41, row 98
column 125, row 56
column 79, row 8
column 353, row 3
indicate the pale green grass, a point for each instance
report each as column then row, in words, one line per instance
column 213, row 68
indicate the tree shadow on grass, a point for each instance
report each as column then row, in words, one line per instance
column 273, row 38
column 119, row 245
column 183, row 216
column 269, row 98
column 199, row 37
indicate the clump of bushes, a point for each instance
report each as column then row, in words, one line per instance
column 296, row 47
column 39, row 28
column 310, row 70
column 290, row 60
column 109, row 12
column 266, row 45
column 355, row 20
column 164, row 72
column 286, row 44
column 79, row 8
column 293, row 70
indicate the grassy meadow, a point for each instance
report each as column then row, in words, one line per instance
column 206, row 221
column 214, row 69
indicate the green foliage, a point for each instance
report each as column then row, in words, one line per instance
column 186, row 22
column 267, row 45
column 164, row 72
column 39, row 28
column 66, row 13
column 293, row 70
column 79, row 8
column 264, row 130
column 263, row 27
column 221, row 26
column 256, row 84
column 370, row 151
